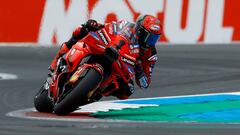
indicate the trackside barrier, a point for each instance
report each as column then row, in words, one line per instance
column 47, row 22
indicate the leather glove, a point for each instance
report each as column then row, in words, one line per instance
column 140, row 76
column 91, row 25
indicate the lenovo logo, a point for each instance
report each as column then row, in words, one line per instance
column 128, row 61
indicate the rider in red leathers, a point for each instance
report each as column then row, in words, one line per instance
column 143, row 34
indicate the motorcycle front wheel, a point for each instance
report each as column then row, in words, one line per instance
column 79, row 94
column 42, row 102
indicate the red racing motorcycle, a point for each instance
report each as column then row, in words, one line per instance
column 85, row 72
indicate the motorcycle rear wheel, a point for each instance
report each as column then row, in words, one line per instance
column 79, row 94
column 42, row 102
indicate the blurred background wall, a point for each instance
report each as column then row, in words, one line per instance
column 51, row 22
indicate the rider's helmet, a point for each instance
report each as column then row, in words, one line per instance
column 148, row 30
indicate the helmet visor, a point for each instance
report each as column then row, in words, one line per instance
column 146, row 37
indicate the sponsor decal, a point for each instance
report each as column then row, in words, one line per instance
column 128, row 61
column 200, row 23
column 103, row 37
column 134, row 46
column 153, row 58
column 155, row 27
column 130, row 69
column 143, row 82
column 134, row 51
column 76, row 75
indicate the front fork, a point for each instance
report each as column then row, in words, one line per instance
column 46, row 86
column 51, row 83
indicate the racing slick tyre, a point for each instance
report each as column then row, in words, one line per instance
column 42, row 102
column 79, row 94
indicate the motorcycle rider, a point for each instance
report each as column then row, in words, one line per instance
column 143, row 34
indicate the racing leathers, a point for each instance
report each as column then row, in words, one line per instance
column 145, row 62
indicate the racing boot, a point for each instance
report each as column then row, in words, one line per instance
column 63, row 50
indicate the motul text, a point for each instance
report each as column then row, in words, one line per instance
column 184, row 21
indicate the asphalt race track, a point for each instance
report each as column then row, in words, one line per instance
column 181, row 70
